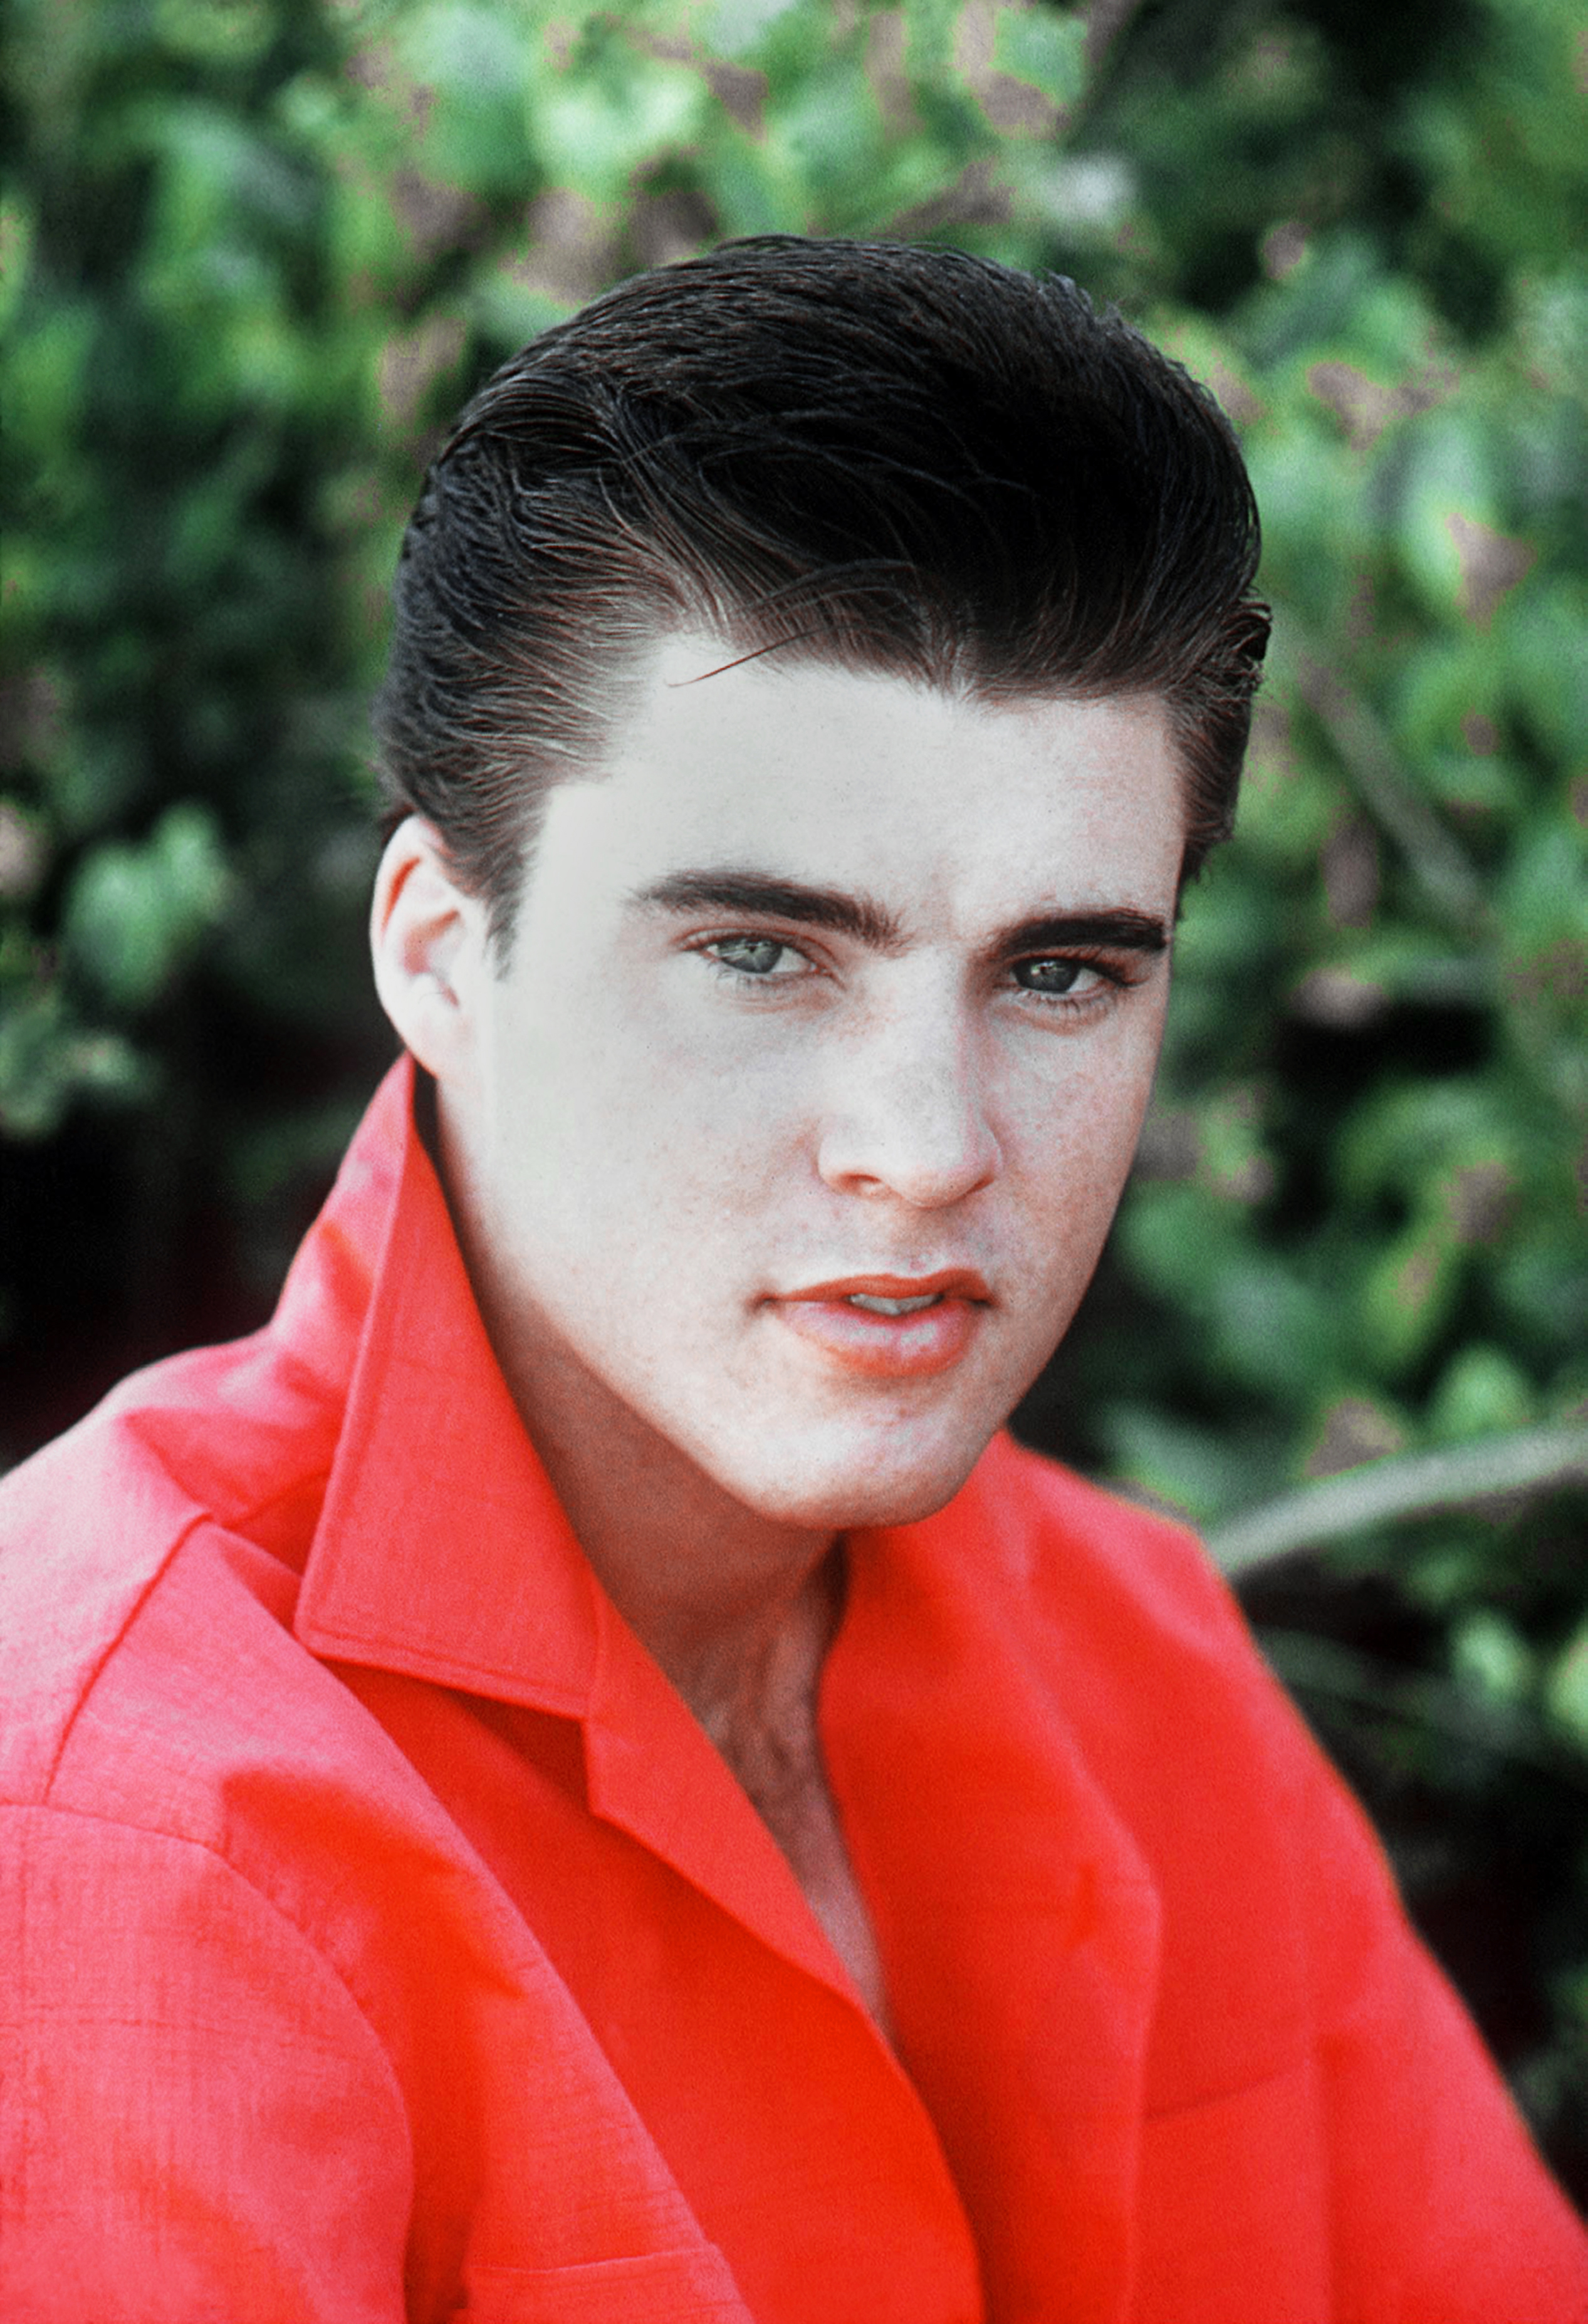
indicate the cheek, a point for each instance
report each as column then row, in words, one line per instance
column 724, row 1121
column 625, row 1173
column 1095, row 1090
column 1075, row 1151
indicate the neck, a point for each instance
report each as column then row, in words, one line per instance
column 727, row 1601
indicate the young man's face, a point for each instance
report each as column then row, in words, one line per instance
column 795, row 1123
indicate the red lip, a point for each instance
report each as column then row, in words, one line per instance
column 888, row 1347
column 952, row 1282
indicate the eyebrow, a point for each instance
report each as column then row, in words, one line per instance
column 859, row 916
column 1116, row 927
column 1119, row 929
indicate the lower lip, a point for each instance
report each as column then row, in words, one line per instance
column 884, row 1346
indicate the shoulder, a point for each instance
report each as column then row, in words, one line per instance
column 148, row 1566
column 1299, row 2023
column 173, row 1758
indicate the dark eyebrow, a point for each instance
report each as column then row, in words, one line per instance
column 861, row 918
column 1117, row 928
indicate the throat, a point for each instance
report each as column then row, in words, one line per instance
column 766, row 1731
column 786, row 1784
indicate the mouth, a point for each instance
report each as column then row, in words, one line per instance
column 896, row 1294
column 889, row 1326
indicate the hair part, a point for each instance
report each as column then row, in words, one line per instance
column 902, row 461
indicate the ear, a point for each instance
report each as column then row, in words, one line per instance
column 429, row 939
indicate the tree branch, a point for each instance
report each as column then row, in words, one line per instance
column 1406, row 1485
column 1374, row 765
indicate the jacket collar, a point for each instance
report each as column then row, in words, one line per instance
column 441, row 1549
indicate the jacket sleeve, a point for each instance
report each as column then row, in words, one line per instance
column 1442, row 2211
column 196, row 2119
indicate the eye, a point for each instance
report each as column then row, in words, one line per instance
column 1058, row 979
column 767, row 959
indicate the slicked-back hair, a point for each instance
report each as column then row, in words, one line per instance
column 895, row 460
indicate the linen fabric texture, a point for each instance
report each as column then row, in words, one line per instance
column 381, row 1939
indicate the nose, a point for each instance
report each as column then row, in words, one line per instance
column 908, row 1115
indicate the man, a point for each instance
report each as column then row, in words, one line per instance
column 576, row 1776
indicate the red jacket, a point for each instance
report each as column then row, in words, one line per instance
column 380, row 1937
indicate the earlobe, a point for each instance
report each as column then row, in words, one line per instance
column 426, row 938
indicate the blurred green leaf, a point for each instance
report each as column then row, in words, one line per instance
column 1567, row 1692
column 1481, row 1391
column 47, row 1062
column 471, row 73
column 134, row 913
column 1044, row 50
column 594, row 130
column 1490, row 1653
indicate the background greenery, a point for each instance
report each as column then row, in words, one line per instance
column 256, row 250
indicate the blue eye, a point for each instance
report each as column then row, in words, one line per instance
column 1053, row 976
column 750, row 955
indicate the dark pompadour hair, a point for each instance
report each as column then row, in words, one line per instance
column 897, row 460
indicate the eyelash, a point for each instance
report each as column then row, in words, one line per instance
column 1116, row 976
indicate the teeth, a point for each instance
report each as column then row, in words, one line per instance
column 879, row 1307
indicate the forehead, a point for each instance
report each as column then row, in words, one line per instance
column 944, row 803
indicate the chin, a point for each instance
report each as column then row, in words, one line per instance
column 844, row 1495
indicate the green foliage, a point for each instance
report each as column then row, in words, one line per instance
column 254, row 254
